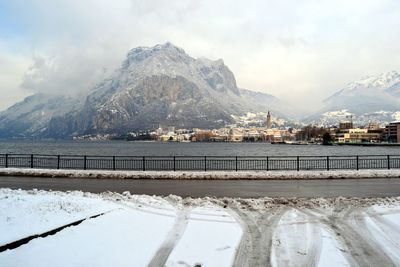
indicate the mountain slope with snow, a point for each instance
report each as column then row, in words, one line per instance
column 375, row 98
column 30, row 118
column 368, row 94
column 160, row 85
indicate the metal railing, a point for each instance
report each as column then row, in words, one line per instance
column 199, row 163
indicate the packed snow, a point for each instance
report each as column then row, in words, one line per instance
column 219, row 238
column 140, row 230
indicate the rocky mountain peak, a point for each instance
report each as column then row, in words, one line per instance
column 172, row 61
column 382, row 81
column 142, row 53
column 368, row 87
column 372, row 98
column 154, row 85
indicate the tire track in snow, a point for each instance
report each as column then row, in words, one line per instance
column 255, row 246
column 316, row 247
column 351, row 231
column 387, row 212
column 327, row 220
column 247, row 243
column 314, row 252
column 303, row 248
column 387, row 232
column 364, row 242
column 387, row 226
column 173, row 237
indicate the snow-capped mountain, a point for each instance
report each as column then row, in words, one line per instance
column 394, row 90
column 381, row 82
column 369, row 99
column 159, row 85
column 31, row 116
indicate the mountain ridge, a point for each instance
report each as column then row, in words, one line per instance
column 154, row 85
column 372, row 98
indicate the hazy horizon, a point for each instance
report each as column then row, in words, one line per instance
column 298, row 52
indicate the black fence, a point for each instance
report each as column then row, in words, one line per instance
column 199, row 163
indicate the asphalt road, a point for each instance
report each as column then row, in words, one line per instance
column 230, row 188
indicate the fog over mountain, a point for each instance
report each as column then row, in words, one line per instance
column 163, row 85
column 370, row 99
column 298, row 51
column 159, row 85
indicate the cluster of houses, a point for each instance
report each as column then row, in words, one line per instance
column 258, row 134
column 345, row 133
column 264, row 133
column 253, row 134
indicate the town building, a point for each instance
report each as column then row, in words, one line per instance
column 345, row 125
column 393, row 132
column 235, row 135
column 357, row 135
column 269, row 121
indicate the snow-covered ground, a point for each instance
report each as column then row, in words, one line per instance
column 201, row 175
column 139, row 230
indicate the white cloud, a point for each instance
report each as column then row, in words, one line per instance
column 12, row 69
column 301, row 51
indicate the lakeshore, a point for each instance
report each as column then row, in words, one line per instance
column 139, row 148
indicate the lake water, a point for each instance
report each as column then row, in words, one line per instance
column 124, row 148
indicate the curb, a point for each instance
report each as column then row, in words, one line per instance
column 191, row 175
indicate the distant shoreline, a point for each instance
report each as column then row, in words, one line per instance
column 367, row 144
column 296, row 143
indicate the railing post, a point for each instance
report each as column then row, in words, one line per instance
column 357, row 163
column 388, row 162
column 298, row 163
column 144, row 163
column 113, row 163
column 84, row 162
column 58, row 162
column 236, row 163
column 6, row 160
column 174, row 164
column 31, row 161
column 205, row 163
column 327, row 163
column 267, row 163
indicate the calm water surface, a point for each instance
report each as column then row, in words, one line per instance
column 124, row 148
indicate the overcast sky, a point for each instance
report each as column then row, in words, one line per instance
column 300, row 51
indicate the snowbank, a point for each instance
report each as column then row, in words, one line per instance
column 134, row 231
column 141, row 230
column 195, row 175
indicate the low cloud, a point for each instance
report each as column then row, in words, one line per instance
column 75, row 71
column 300, row 51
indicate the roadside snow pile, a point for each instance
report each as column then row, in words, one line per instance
column 139, row 230
column 209, row 175
column 134, row 231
